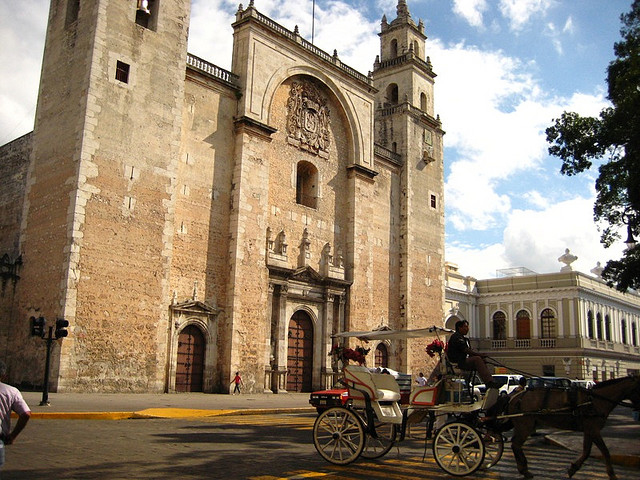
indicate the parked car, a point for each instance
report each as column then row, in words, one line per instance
column 549, row 382
column 333, row 397
column 339, row 395
column 582, row 383
column 507, row 383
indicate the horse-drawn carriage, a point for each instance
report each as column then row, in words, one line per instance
column 469, row 436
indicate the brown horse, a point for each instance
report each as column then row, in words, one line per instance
column 577, row 409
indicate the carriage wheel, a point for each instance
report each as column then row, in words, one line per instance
column 338, row 435
column 378, row 447
column 458, row 449
column 493, row 448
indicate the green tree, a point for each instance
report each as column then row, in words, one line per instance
column 612, row 139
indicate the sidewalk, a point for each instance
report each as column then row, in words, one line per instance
column 621, row 434
column 117, row 406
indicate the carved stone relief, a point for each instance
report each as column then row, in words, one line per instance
column 308, row 119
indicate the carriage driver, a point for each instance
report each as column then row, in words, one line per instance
column 459, row 351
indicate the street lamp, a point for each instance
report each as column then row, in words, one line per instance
column 630, row 242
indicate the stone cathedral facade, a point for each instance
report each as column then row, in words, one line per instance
column 190, row 222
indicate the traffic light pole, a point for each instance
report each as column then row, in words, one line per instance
column 45, row 388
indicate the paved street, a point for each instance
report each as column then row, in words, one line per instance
column 257, row 447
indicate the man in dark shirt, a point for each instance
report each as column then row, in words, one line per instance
column 459, row 351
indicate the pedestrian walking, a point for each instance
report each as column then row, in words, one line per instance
column 10, row 400
column 238, row 381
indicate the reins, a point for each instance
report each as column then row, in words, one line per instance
column 589, row 391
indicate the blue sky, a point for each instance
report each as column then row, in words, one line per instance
column 505, row 69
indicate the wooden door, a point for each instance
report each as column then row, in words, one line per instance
column 190, row 365
column 300, row 353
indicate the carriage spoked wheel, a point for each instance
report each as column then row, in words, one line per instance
column 458, row 449
column 378, row 447
column 493, row 448
column 338, row 435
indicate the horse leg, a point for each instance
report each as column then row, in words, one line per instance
column 521, row 432
column 597, row 439
column 586, row 450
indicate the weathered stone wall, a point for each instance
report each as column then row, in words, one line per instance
column 201, row 240
column 14, row 162
column 125, row 240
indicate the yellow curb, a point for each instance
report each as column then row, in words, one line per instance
column 82, row 415
column 151, row 413
column 178, row 413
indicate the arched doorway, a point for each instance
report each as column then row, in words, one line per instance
column 381, row 356
column 300, row 353
column 190, row 363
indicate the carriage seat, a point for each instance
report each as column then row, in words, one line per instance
column 380, row 387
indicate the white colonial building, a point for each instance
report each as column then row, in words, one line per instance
column 564, row 324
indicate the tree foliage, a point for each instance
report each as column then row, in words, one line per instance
column 613, row 136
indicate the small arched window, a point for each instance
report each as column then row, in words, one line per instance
column 307, row 184
column 590, row 324
column 499, row 326
column 548, row 323
column 392, row 94
column 423, row 102
column 394, row 49
column 382, row 356
column 523, row 325
column 416, row 48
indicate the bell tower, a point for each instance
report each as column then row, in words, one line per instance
column 99, row 200
column 405, row 124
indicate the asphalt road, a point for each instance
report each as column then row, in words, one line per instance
column 256, row 447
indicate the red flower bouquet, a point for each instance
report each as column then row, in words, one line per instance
column 345, row 354
column 437, row 346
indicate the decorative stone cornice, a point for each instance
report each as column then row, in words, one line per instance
column 254, row 127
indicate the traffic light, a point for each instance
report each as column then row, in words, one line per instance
column 37, row 326
column 61, row 328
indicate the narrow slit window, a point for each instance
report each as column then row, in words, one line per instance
column 73, row 8
column 433, row 201
column 122, row 72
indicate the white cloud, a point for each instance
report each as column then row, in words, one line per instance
column 22, row 31
column 519, row 12
column 471, row 11
column 534, row 239
column 568, row 26
column 538, row 238
column 495, row 114
column 536, row 199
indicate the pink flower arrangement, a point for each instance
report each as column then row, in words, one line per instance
column 437, row 346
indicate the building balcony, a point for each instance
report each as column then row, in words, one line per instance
column 564, row 343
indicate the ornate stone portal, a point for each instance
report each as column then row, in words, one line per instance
column 308, row 119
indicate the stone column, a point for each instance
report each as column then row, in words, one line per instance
column 280, row 348
column 269, row 343
column 325, row 342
